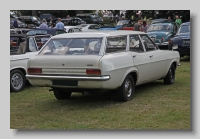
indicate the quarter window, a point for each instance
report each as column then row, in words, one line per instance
column 116, row 44
column 32, row 46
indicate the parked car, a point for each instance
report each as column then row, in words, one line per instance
column 102, row 60
column 31, row 20
column 19, row 30
column 26, row 46
column 47, row 17
column 66, row 22
column 127, row 27
column 160, row 20
column 89, row 27
column 70, row 29
column 51, row 31
column 182, row 40
column 90, row 18
column 123, row 22
column 20, row 23
column 76, row 21
column 162, row 32
column 106, row 26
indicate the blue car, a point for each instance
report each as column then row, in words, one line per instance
column 106, row 26
column 182, row 40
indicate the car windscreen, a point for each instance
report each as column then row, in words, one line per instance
column 34, row 32
column 72, row 46
column 160, row 27
column 122, row 22
column 184, row 29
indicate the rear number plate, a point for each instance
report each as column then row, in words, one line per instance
column 65, row 82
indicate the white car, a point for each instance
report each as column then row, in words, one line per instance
column 70, row 29
column 19, row 55
column 89, row 27
column 103, row 60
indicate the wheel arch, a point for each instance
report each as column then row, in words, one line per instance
column 19, row 68
column 133, row 72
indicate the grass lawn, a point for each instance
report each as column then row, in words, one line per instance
column 154, row 106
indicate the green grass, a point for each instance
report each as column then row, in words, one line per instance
column 154, row 106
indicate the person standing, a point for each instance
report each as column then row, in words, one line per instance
column 178, row 21
column 59, row 24
column 137, row 26
column 43, row 25
column 68, row 17
column 144, row 26
column 15, row 24
column 169, row 19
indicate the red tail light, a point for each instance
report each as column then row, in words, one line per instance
column 93, row 71
column 34, row 70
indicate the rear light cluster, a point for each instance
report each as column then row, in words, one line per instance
column 93, row 71
column 34, row 71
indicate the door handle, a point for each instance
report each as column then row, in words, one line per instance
column 134, row 55
column 151, row 56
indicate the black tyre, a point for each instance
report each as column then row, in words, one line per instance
column 126, row 90
column 170, row 77
column 17, row 80
column 59, row 94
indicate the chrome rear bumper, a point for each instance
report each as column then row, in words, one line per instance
column 80, row 78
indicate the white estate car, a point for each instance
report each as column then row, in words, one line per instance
column 22, row 47
column 102, row 60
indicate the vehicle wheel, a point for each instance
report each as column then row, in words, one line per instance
column 17, row 80
column 126, row 90
column 170, row 77
column 59, row 94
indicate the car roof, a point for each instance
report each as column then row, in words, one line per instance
column 97, row 34
column 163, row 23
column 186, row 23
column 26, row 35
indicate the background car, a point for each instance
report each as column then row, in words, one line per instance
column 26, row 47
column 70, row 29
column 20, row 23
column 53, row 31
column 90, row 18
column 107, row 26
column 162, row 32
column 31, row 20
column 182, row 40
column 89, row 27
column 76, row 21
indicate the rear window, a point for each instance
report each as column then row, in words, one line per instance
column 72, row 46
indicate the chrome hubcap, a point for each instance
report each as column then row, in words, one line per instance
column 128, row 88
column 17, row 81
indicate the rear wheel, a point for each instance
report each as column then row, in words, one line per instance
column 17, row 80
column 59, row 94
column 170, row 77
column 126, row 90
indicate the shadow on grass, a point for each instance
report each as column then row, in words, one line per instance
column 96, row 100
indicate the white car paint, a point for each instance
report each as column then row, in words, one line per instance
column 70, row 29
column 86, row 27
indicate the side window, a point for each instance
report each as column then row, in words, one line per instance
column 135, row 44
column 148, row 44
column 32, row 46
column 116, row 44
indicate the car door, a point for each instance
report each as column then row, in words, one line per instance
column 140, row 59
column 158, row 59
